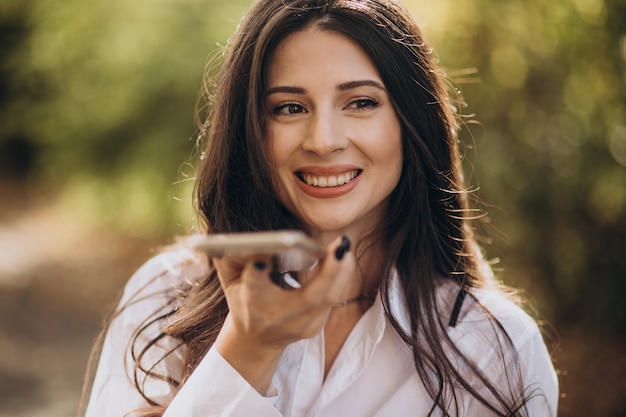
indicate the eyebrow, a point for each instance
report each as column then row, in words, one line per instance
column 286, row 89
column 341, row 87
column 360, row 83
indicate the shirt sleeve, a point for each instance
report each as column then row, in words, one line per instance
column 148, row 292
column 215, row 388
column 528, row 368
column 539, row 376
column 515, row 362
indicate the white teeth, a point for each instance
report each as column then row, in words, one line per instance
column 329, row 181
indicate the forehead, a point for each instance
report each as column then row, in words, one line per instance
column 319, row 55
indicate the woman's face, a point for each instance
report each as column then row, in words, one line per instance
column 334, row 138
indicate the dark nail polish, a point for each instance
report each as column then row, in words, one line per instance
column 260, row 266
column 342, row 248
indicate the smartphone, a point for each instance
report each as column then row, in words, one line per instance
column 256, row 243
column 293, row 253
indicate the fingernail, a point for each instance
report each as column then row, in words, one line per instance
column 260, row 266
column 342, row 248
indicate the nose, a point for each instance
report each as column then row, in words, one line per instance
column 324, row 135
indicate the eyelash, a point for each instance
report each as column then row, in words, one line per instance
column 288, row 107
column 363, row 103
column 358, row 104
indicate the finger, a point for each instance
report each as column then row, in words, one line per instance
column 343, row 277
column 257, row 270
column 334, row 274
column 228, row 269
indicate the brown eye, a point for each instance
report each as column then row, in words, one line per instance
column 290, row 108
column 362, row 103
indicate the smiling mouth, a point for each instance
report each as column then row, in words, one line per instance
column 325, row 181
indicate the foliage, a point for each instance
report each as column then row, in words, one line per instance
column 550, row 94
column 97, row 101
column 103, row 94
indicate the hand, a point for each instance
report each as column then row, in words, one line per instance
column 265, row 318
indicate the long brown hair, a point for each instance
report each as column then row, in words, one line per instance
column 427, row 232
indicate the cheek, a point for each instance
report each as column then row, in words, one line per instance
column 270, row 144
column 393, row 165
column 278, row 155
column 385, row 143
column 278, row 147
column 393, row 132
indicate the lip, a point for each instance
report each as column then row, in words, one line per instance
column 327, row 170
column 327, row 192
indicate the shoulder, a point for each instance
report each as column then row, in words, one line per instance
column 493, row 332
column 486, row 313
column 502, row 340
column 134, row 348
column 169, row 271
column 155, row 287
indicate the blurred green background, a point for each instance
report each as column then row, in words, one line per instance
column 97, row 135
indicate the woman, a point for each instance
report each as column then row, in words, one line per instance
column 330, row 117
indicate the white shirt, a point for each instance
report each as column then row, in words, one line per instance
column 373, row 375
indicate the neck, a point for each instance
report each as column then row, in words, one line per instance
column 366, row 297
column 368, row 276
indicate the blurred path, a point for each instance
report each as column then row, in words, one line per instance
column 57, row 282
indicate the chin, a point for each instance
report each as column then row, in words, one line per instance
column 331, row 225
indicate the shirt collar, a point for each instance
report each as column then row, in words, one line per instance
column 397, row 303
